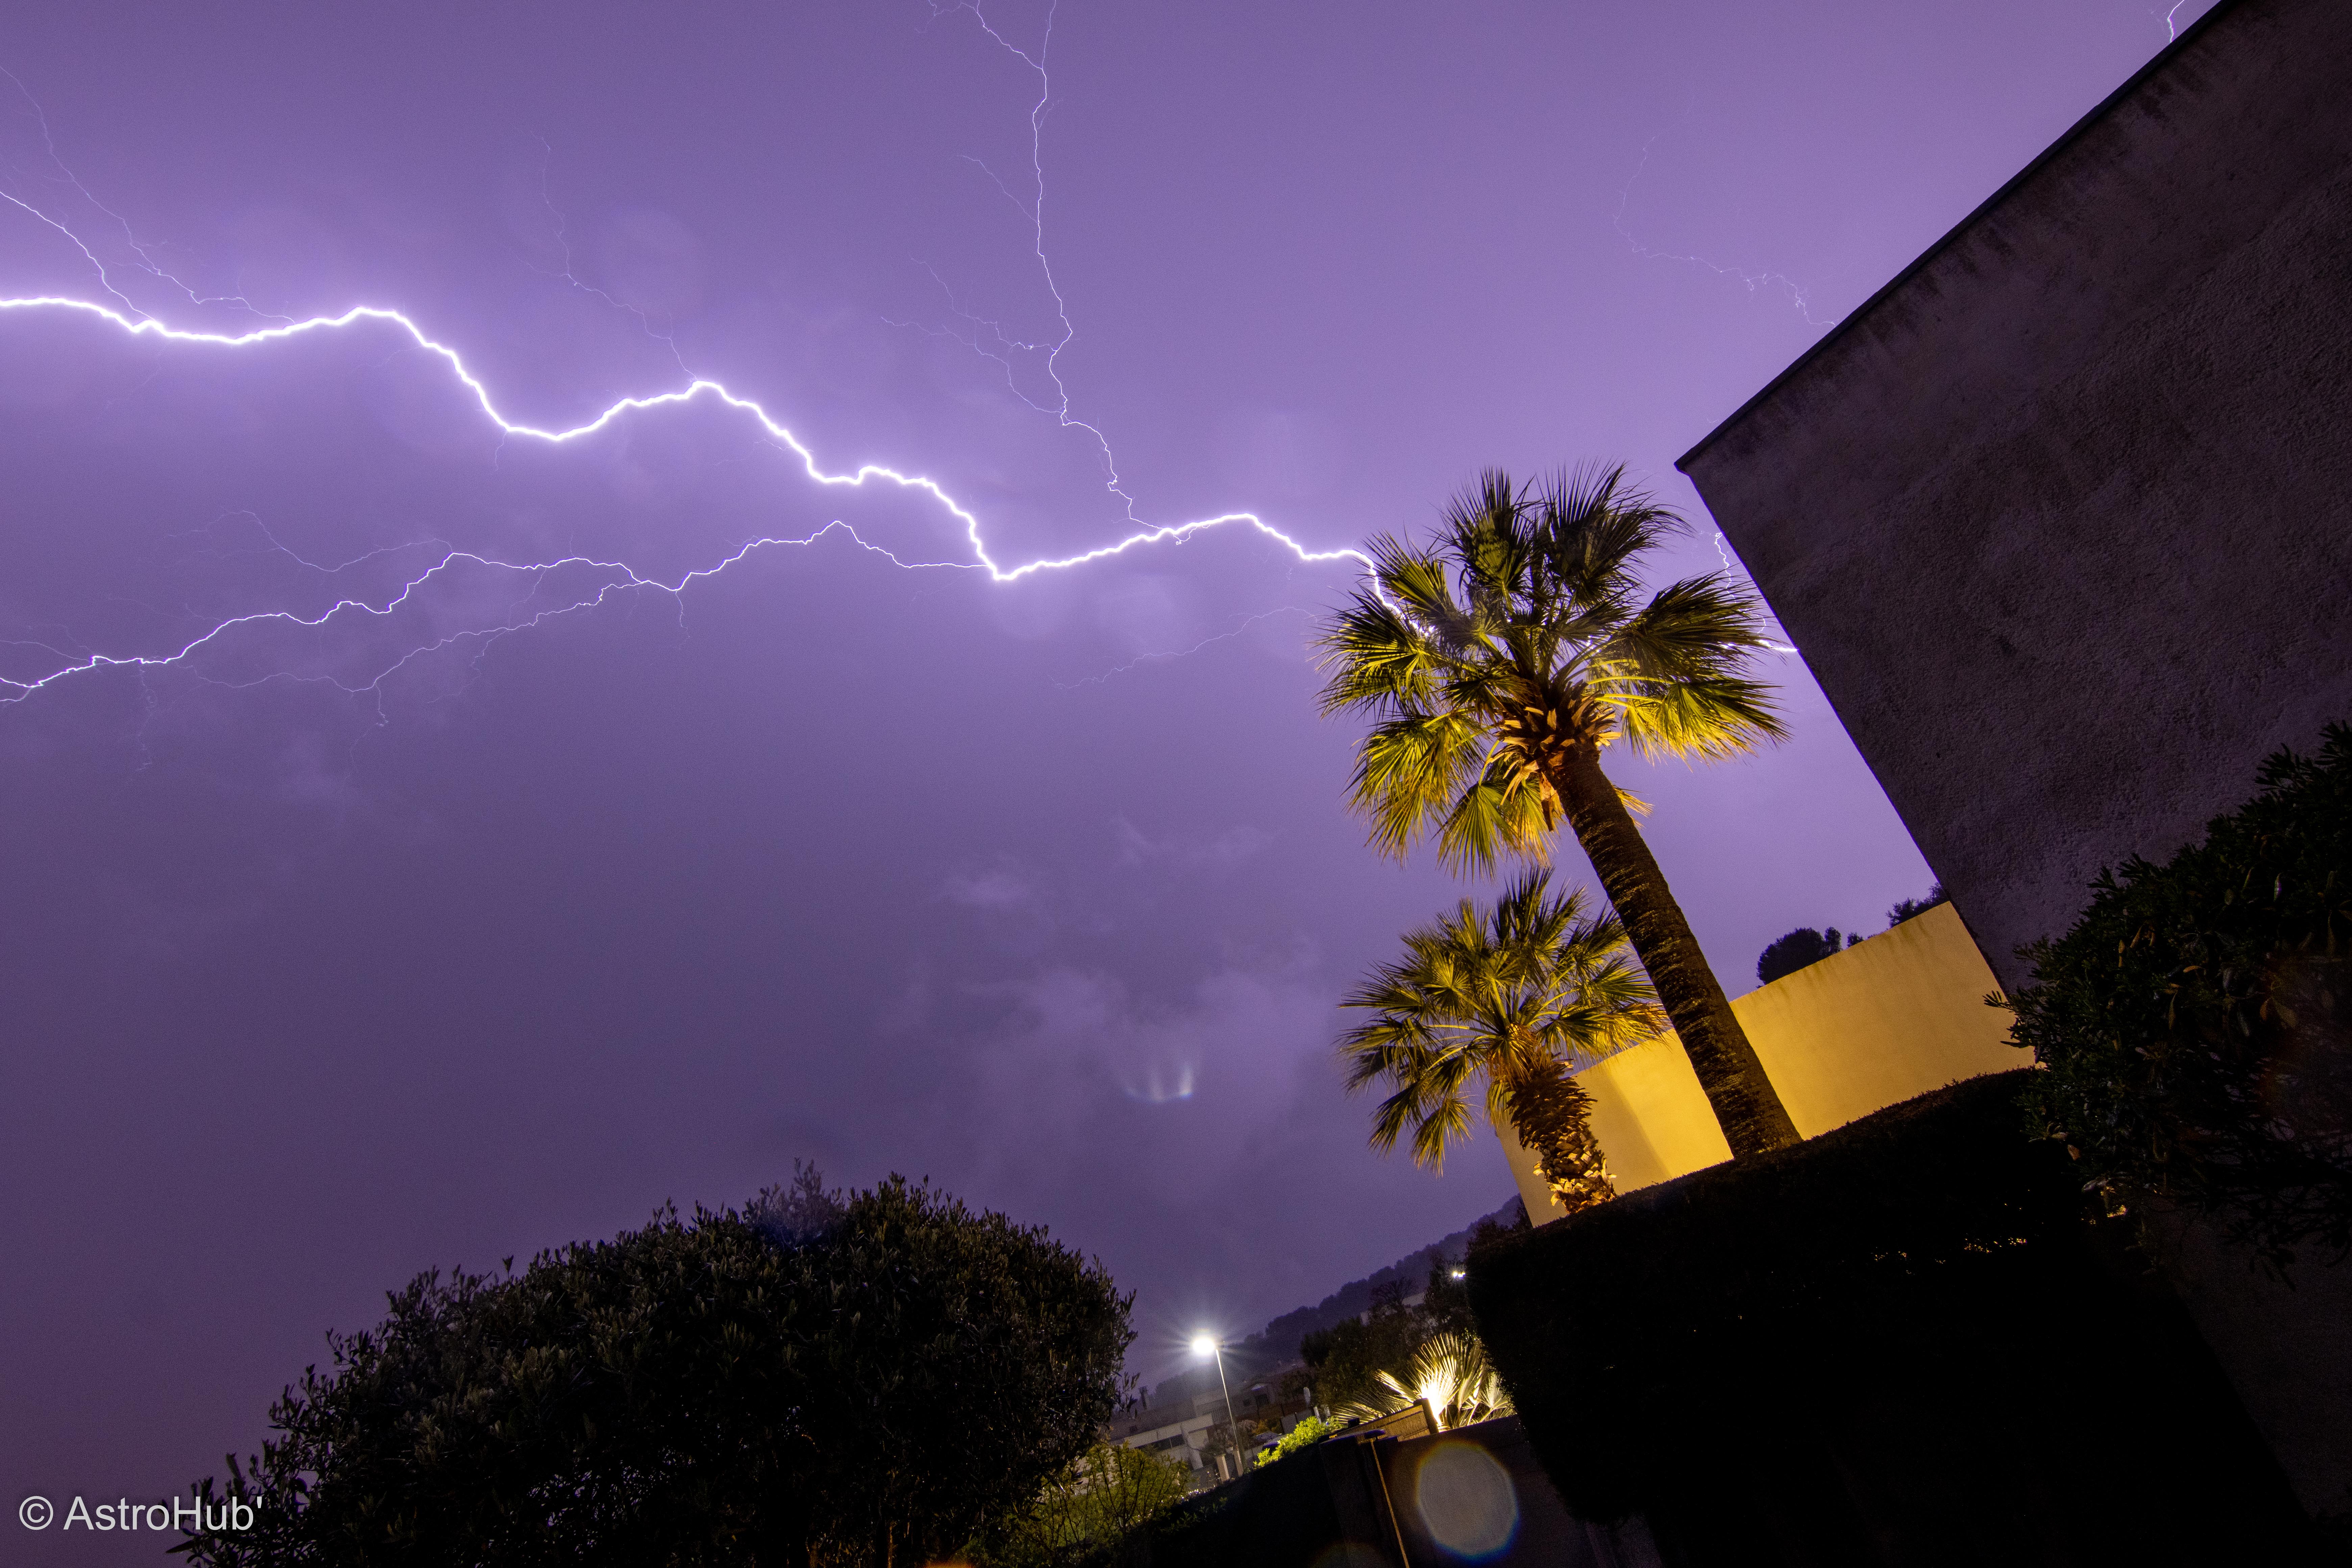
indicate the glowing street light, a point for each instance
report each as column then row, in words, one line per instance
column 1207, row 1345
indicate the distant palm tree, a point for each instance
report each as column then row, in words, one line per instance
column 1517, row 995
column 1501, row 660
column 1450, row 1371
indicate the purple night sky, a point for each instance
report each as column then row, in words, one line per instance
column 332, row 952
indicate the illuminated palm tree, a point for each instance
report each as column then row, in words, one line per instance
column 1518, row 995
column 1501, row 660
column 1450, row 1371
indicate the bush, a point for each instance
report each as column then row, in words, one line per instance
column 1908, row 1340
column 814, row 1380
column 1310, row 1431
column 2197, row 1021
column 1108, row 1495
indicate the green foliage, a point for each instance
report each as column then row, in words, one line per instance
column 1345, row 1359
column 1506, row 992
column 1310, row 1431
column 1371, row 1366
column 1519, row 630
column 816, row 1380
column 1446, row 1303
column 1451, row 1372
column 1105, row 1495
column 2197, row 1021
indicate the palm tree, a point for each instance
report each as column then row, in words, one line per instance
column 1517, row 995
column 1501, row 660
column 1450, row 1371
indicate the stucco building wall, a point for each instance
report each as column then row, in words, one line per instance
column 1895, row 1016
column 2062, row 519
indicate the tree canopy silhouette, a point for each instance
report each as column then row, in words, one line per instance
column 855, row 1380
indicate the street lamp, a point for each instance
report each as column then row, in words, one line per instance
column 1207, row 1345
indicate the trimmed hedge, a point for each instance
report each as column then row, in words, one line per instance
column 2197, row 1021
column 1908, row 1340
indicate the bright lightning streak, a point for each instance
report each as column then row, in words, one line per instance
column 625, row 577
column 129, row 317
column 146, row 262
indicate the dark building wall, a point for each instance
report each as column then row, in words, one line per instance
column 2062, row 519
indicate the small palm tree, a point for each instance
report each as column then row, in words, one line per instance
column 1450, row 1371
column 1518, row 995
column 1501, row 660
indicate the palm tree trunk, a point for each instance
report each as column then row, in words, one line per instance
column 1746, row 1105
column 1550, row 1113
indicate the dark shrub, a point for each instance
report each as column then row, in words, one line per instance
column 1912, row 909
column 2197, row 1021
column 1901, row 1342
column 1799, row 948
column 848, row 1383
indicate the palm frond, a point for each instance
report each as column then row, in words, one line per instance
column 1379, row 659
column 1409, row 771
column 1417, row 581
column 1447, row 1122
column 1510, row 991
column 1593, row 526
column 1505, row 812
column 1710, row 717
column 1527, row 598
column 1449, row 1371
column 1697, row 627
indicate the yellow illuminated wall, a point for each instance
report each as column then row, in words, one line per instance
column 1895, row 1017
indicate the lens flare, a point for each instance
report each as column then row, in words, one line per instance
column 1467, row 1502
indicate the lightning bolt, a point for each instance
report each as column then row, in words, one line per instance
column 618, row 577
column 64, row 176
column 1755, row 281
column 1168, row 654
column 563, row 240
column 696, row 391
column 1033, row 209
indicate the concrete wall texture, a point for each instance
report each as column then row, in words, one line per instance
column 2062, row 519
column 1900, row 1015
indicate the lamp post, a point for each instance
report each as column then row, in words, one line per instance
column 1207, row 1345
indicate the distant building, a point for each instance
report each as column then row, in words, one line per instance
column 1182, row 1418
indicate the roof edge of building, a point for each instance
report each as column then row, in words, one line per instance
column 2106, row 106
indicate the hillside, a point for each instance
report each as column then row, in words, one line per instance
column 1276, row 1344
